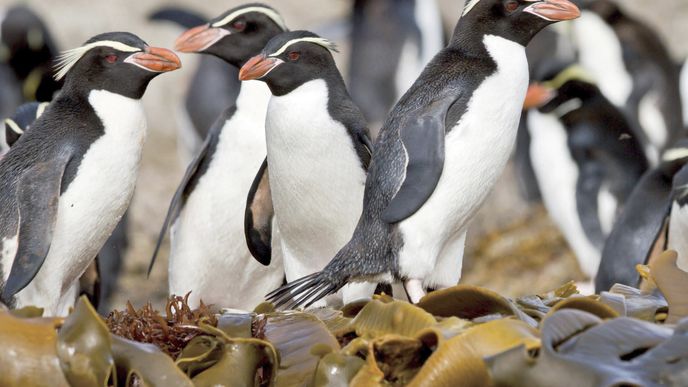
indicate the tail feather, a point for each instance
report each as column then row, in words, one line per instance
column 184, row 17
column 303, row 292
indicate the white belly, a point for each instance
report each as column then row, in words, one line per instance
column 557, row 174
column 94, row 202
column 477, row 150
column 316, row 178
column 209, row 256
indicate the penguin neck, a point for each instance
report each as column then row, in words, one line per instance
column 81, row 88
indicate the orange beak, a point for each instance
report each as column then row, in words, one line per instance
column 199, row 38
column 156, row 59
column 258, row 67
column 554, row 10
column 538, row 95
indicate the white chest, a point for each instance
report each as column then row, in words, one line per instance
column 219, row 199
column 94, row 202
column 478, row 147
column 316, row 177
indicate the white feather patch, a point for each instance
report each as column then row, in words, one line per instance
column 41, row 108
column 674, row 154
column 469, row 6
column 271, row 13
column 67, row 59
column 13, row 125
column 319, row 41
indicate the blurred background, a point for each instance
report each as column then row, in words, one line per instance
column 513, row 246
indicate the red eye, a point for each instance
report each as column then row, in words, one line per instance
column 239, row 25
column 111, row 58
column 511, row 5
column 294, row 56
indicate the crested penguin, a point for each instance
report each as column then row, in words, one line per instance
column 391, row 42
column 213, row 87
column 100, row 282
column 438, row 155
column 585, row 157
column 208, row 254
column 657, row 201
column 67, row 182
column 319, row 150
column 27, row 46
column 634, row 70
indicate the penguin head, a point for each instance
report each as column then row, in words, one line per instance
column 23, row 117
column 560, row 89
column 291, row 59
column 516, row 20
column 236, row 35
column 119, row 62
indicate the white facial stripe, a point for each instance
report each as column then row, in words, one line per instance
column 276, row 17
column 319, row 41
column 67, row 59
column 13, row 125
column 568, row 106
column 675, row 154
column 41, row 108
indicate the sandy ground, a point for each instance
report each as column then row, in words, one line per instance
column 495, row 254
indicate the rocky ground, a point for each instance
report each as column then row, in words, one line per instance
column 512, row 248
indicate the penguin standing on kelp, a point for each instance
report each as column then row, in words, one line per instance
column 68, row 180
column 438, row 155
column 208, row 251
column 319, row 150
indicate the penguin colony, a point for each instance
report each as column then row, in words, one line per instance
column 299, row 192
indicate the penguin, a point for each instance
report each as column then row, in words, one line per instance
column 27, row 47
column 319, row 150
column 25, row 115
column 438, row 155
column 658, row 201
column 208, row 253
column 68, row 180
column 213, row 87
column 391, row 42
column 634, row 70
column 586, row 158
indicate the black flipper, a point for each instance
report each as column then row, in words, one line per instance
column 258, row 217
column 179, row 195
column 636, row 231
column 38, row 193
column 587, row 193
column 184, row 17
column 423, row 140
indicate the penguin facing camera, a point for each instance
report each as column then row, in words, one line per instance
column 58, row 203
column 585, row 156
column 438, row 155
column 319, row 150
